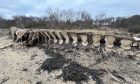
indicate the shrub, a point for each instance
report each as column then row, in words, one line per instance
column 134, row 29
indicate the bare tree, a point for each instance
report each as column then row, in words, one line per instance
column 100, row 19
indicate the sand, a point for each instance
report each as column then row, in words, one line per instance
column 20, row 64
column 17, row 66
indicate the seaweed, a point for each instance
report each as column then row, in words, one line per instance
column 71, row 70
column 75, row 72
column 53, row 64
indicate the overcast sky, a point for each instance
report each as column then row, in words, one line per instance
column 8, row 8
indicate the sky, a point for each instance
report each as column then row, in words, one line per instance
column 9, row 8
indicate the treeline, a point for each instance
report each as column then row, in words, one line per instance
column 68, row 19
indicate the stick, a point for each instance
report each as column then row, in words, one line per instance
column 7, row 46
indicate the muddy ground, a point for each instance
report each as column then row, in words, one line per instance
column 57, row 65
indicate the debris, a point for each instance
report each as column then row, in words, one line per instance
column 75, row 72
column 138, row 63
column 39, row 83
column 53, row 64
column 133, row 57
column 24, row 69
column 97, row 73
column 33, row 56
column 4, row 80
column 10, row 45
column 118, row 76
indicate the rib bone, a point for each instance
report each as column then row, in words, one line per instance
column 49, row 38
column 126, row 44
column 66, row 37
column 75, row 39
column 109, row 41
column 54, row 37
column 60, row 38
column 96, row 39
column 84, row 40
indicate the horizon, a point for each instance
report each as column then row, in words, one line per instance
column 115, row 8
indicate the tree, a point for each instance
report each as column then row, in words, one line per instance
column 100, row 19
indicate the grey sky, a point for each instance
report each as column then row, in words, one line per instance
column 8, row 8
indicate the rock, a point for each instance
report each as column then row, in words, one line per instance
column 39, row 83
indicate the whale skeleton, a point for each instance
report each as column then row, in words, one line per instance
column 74, row 37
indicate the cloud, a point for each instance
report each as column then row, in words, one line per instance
column 8, row 8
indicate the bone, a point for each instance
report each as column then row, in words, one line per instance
column 135, row 44
column 96, row 40
column 49, row 38
column 43, row 36
column 66, row 37
column 31, row 36
column 60, row 37
column 20, row 32
column 13, row 30
column 75, row 39
column 34, row 35
column 109, row 41
column 84, row 40
column 54, row 37
column 126, row 44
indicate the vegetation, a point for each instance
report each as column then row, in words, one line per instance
column 66, row 19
